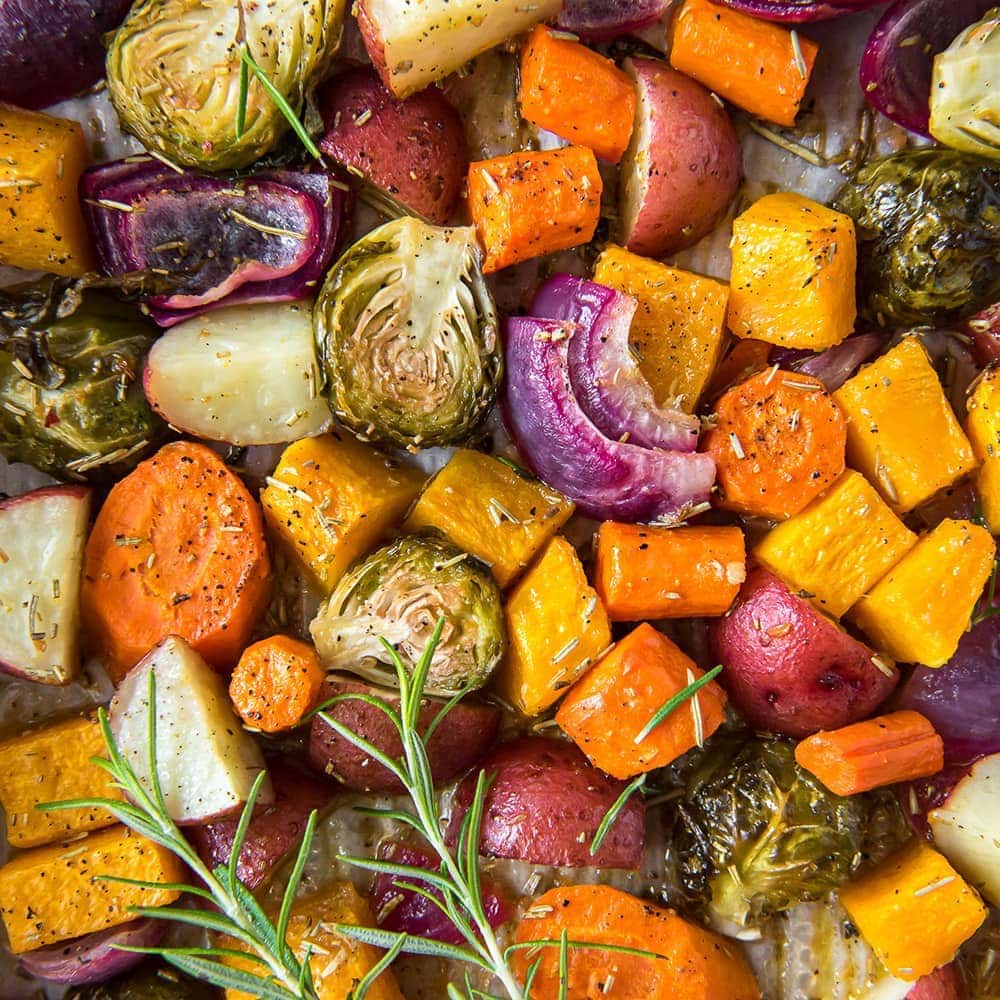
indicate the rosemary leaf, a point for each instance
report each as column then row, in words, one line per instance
column 181, row 887
column 414, row 945
column 403, row 871
column 361, row 990
column 244, row 97
column 612, row 814
column 239, row 837
column 564, row 965
column 443, row 713
column 288, row 900
column 369, row 748
column 228, row 978
column 678, row 699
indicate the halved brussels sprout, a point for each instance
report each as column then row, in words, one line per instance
column 174, row 73
column 965, row 96
column 398, row 593
column 756, row 834
column 71, row 399
column 407, row 335
column 928, row 224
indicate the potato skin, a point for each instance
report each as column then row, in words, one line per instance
column 942, row 984
column 791, row 670
column 456, row 745
column 413, row 149
column 545, row 805
column 683, row 167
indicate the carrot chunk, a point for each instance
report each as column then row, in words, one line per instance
column 778, row 443
column 645, row 572
column 610, row 708
column 577, row 94
column 276, row 682
column 177, row 549
column 757, row 65
column 900, row 746
column 528, row 204
column 693, row 963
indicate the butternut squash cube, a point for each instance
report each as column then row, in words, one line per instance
column 839, row 546
column 983, row 429
column 339, row 963
column 792, row 280
column 49, row 765
column 496, row 513
column 51, row 893
column 914, row 910
column 679, row 327
column 332, row 498
column 41, row 159
column 557, row 627
column 920, row 609
column 901, row 430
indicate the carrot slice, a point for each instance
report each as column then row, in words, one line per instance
column 275, row 684
column 177, row 549
column 694, row 964
column 577, row 94
column 897, row 747
column 778, row 443
column 645, row 572
column 757, row 65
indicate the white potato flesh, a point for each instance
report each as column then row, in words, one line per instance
column 206, row 761
column 42, row 537
column 966, row 827
column 246, row 375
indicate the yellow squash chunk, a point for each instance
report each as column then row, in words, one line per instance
column 901, row 431
column 489, row 509
column 41, row 159
column 914, row 910
column 50, row 894
column 557, row 627
column 339, row 962
column 679, row 326
column 332, row 498
column 839, row 546
column 49, row 765
column 792, row 280
column 983, row 428
column 919, row 610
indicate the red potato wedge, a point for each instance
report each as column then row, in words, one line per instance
column 942, row 984
column 464, row 736
column 412, row 150
column 546, row 803
column 683, row 166
column 42, row 538
column 790, row 669
column 206, row 761
column 274, row 829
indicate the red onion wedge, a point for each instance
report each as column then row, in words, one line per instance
column 605, row 377
column 798, row 11
column 406, row 912
column 264, row 238
column 834, row 366
column 607, row 479
column 983, row 331
column 95, row 958
column 896, row 65
column 595, row 20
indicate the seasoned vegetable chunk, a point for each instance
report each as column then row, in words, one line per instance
column 50, row 894
column 901, row 431
column 920, row 609
column 678, row 327
column 557, row 627
column 332, row 498
column 487, row 508
column 41, row 159
column 792, row 281
column 48, row 765
column 983, row 428
column 914, row 909
column 839, row 546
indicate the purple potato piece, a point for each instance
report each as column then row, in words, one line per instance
column 465, row 735
column 545, row 805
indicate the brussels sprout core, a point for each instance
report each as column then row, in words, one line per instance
column 398, row 593
column 407, row 334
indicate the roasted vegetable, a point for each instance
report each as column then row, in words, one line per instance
column 756, row 834
column 174, row 73
column 69, row 380
column 398, row 593
column 407, row 335
column 152, row 982
column 965, row 102
column 928, row 225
